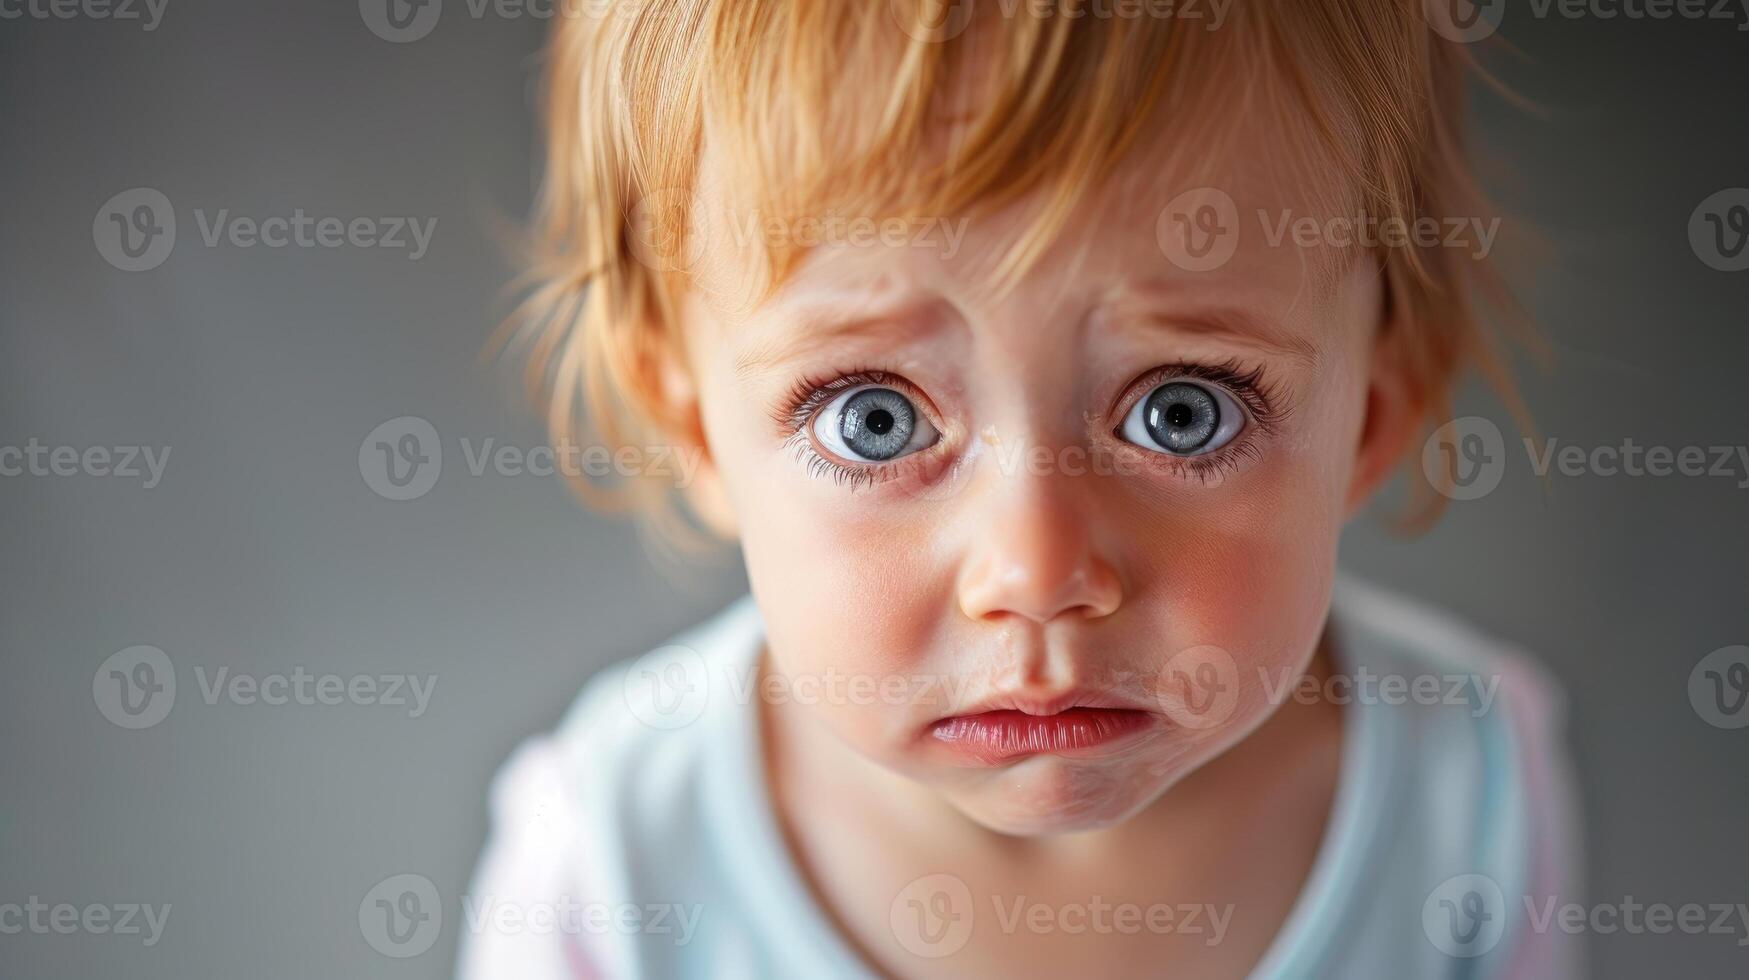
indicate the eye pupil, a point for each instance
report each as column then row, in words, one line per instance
column 877, row 423
column 1182, row 417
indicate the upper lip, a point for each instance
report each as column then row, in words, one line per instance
column 1045, row 705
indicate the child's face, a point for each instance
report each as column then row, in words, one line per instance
column 1040, row 552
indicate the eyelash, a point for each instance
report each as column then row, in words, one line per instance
column 796, row 412
column 1260, row 396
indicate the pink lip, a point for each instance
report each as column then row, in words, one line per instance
column 992, row 737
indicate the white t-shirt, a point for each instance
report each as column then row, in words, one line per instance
column 638, row 840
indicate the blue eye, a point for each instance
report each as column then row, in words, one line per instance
column 872, row 424
column 1183, row 418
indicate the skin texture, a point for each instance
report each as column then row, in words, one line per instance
column 1081, row 573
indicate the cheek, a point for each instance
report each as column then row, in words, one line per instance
column 1245, row 567
column 846, row 590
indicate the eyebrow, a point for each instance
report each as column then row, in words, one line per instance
column 816, row 326
column 812, row 327
column 1164, row 304
column 1232, row 324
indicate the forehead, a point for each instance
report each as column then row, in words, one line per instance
column 1189, row 216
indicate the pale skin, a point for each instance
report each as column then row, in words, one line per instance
column 1050, row 577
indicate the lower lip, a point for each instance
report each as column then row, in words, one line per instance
column 999, row 736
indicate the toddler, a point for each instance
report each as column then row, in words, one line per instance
column 1034, row 354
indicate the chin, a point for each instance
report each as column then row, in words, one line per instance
column 1048, row 795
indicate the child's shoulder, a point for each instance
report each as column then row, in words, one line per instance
column 1385, row 634
column 1456, row 788
column 612, row 813
column 646, row 725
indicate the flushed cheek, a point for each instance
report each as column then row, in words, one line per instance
column 1251, row 580
column 851, row 597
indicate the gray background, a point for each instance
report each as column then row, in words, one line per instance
column 263, row 549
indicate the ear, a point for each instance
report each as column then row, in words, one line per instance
column 1394, row 413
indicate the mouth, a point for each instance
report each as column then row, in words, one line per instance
column 1004, row 735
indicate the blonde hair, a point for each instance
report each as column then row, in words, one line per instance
column 635, row 93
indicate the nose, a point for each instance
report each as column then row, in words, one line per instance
column 1035, row 555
